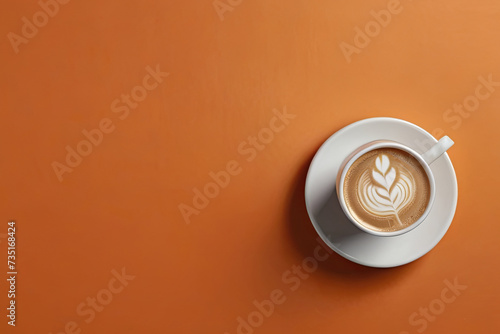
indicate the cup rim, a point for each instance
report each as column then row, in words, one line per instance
column 373, row 146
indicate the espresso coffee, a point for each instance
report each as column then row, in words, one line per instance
column 386, row 190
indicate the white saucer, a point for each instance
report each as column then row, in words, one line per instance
column 335, row 228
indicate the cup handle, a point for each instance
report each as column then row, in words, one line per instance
column 438, row 149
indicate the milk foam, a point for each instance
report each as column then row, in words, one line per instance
column 385, row 190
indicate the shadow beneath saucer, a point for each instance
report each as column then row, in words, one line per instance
column 305, row 238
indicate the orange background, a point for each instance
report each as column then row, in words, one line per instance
column 119, row 207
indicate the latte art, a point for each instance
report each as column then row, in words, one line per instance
column 386, row 190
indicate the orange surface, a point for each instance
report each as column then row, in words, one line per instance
column 120, row 206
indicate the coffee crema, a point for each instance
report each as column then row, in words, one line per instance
column 386, row 190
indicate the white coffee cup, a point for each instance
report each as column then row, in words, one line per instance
column 425, row 159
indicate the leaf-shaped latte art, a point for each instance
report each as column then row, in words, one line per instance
column 385, row 190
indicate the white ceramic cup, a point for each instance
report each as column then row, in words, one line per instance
column 425, row 159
